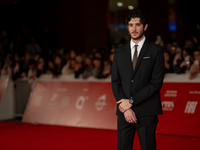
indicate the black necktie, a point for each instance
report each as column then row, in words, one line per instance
column 135, row 57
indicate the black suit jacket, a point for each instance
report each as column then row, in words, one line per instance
column 144, row 83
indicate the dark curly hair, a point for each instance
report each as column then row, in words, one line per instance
column 137, row 14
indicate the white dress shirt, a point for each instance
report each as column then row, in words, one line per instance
column 140, row 44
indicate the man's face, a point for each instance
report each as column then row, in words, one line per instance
column 136, row 29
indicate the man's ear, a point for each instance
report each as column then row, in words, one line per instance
column 146, row 26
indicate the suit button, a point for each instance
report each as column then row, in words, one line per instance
column 132, row 80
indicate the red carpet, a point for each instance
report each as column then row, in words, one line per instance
column 18, row 136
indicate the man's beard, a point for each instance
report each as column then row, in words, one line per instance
column 136, row 37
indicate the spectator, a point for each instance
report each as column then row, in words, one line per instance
column 25, row 61
column 31, row 75
column 88, row 68
column 98, row 55
column 57, row 66
column 50, row 67
column 159, row 41
column 16, row 70
column 177, row 59
column 168, row 67
column 97, row 70
column 7, row 67
column 195, row 68
column 69, row 67
column 183, row 64
column 72, row 54
column 79, row 68
column 106, row 69
column 41, row 67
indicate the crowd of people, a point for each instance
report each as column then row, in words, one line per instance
column 182, row 58
column 23, row 57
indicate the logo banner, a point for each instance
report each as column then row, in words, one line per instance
column 92, row 105
column 181, row 110
column 84, row 104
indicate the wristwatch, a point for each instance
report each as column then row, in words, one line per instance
column 131, row 101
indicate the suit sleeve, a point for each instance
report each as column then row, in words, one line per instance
column 156, row 81
column 116, row 81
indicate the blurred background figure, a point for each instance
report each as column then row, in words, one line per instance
column 88, row 68
column 182, row 61
column 57, row 66
column 106, row 69
column 41, row 67
column 195, row 68
column 97, row 70
column 7, row 66
column 32, row 71
column 69, row 67
column 168, row 66
column 79, row 67
column 159, row 41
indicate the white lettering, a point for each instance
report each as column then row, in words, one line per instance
column 168, row 105
column 170, row 94
column 191, row 107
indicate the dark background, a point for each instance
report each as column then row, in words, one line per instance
column 85, row 25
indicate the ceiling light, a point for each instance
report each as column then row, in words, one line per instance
column 130, row 7
column 119, row 4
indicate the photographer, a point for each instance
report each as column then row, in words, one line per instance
column 195, row 68
column 182, row 61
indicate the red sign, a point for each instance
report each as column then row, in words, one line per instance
column 91, row 104
column 85, row 104
column 181, row 110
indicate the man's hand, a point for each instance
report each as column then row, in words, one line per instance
column 130, row 116
column 124, row 105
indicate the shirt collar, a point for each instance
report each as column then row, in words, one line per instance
column 140, row 44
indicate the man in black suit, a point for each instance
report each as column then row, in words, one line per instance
column 137, row 77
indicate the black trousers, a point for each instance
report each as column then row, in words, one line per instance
column 145, row 127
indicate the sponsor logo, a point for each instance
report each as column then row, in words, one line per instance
column 52, row 103
column 194, row 92
column 170, row 94
column 80, row 102
column 101, row 102
column 191, row 107
column 167, row 105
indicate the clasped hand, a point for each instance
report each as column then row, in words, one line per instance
column 129, row 114
column 124, row 105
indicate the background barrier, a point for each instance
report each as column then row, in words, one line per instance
column 85, row 104
column 6, row 98
column 180, row 109
column 91, row 104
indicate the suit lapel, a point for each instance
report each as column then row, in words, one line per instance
column 128, row 56
column 142, row 52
